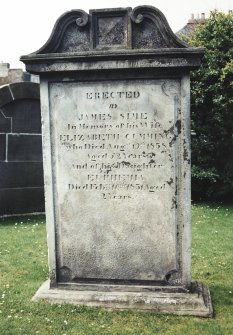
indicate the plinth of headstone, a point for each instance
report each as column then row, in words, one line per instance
column 116, row 143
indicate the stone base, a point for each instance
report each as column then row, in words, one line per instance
column 174, row 300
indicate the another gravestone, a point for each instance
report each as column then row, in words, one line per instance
column 21, row 177
column 116, row 137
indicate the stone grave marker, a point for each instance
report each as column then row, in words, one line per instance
column 21, row 166
column 116, row 145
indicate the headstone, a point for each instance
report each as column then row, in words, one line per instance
column 21, row 177
column 116, row 141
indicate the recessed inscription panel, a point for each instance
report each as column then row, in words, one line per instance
column 115, row 154
column 111, row 31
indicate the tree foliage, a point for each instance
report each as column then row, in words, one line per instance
column 212, row 110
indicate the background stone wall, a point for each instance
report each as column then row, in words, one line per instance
column 9, row 76
column 21, row 177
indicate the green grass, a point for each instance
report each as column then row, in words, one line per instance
column 23, row 268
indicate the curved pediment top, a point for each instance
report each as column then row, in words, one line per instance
column 61, row 33
column 160, row 27
column 144, row 27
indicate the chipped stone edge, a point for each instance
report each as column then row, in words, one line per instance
column 197, row 303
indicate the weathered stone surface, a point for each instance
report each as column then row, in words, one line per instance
column 116, row 146
column 148, row 298
column 23, row 148
column 2, row 147
column 5, row 123
column 5, row 95
column 8, row 75
column 24, row 115
column 21, row 178
column 21, row 174
column 21, row 200
column 17, row 91
column 112, row 39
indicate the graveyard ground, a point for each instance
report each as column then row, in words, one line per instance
column 23, row 268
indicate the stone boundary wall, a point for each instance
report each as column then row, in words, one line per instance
column 21, row 166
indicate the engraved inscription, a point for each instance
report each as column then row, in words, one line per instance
column 115, row 151
column 115, row 156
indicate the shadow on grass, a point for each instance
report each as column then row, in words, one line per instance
column 221, row 295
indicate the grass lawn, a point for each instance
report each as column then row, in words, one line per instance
column 23, row 268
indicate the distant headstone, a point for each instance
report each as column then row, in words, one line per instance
column 21, row 177
column 116, row 141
